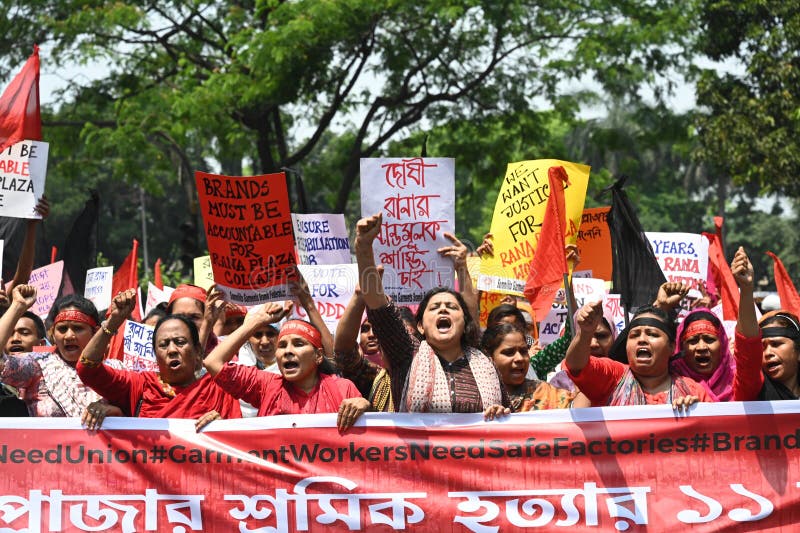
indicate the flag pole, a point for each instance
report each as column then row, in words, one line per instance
column 572, row 305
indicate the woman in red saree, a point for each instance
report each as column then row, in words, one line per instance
column 175, row 391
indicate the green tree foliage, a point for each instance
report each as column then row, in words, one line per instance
column 259, row 85
column 751, row 124
column 652, row 146
column 267, row 79
column 758, row 231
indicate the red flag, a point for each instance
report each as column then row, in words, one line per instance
column 790, row 300
column 158, row 281
column 126, row 277
column 718, row 221
column 549, row 263
column 53, row 254
column 723, row 278
column 20, row 118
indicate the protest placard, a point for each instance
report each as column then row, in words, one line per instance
column 588, row 290
column 682, row 257
column 416, row 197
column 612, row 307
column 517, row 220
column 203, row 275
column 488, row 301
column 98, row 286
column 551, row 328
column 47, row 281
column 321, row 239
column 331, row 287
column 156, row 296
column 2, row 248
column 249, row 233
column 594, row 242
column 23, row 168
column 137, row 346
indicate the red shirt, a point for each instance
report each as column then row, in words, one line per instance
column 273, row 395
column 749, row 378
column 600, row 377
column 126, row 389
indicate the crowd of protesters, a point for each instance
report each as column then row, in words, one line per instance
column 218, row 360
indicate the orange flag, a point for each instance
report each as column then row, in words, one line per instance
column 20, row 117
column 723, row 277
column 790, row 300
column 549, row 262
column 158, row 281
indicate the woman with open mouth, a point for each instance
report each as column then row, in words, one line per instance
column 506, row 345
column 445, row 372
column 780, row 332
column 175, row 391
column 307, row 383
column 704, row 354
column 646, row 379
column 49, row 380
column 704, row 351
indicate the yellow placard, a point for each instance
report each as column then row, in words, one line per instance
column 517, row 220
column 203, row 276
column 474, row 268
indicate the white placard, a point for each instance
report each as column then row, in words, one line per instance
column 331, row 287
column 321, row 239
column 23, row 169
column 417, row 199
column 137, row 345
column 155, row 296
column 588, row 290
column 99, row 282
column 682, row 256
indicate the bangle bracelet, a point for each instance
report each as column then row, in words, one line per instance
column 104, row 327
column 88, row 363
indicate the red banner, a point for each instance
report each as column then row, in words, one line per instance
column 722, row 467
column 249, row 232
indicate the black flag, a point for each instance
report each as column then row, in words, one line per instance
column 80, row 247
column 12, row 232
column 636, row 273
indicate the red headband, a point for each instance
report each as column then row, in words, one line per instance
column 303, row 329
column 188, row 291
column 74, row 315
column 698, row 327
column 232, row 310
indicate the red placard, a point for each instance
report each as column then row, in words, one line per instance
column 248, row 227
